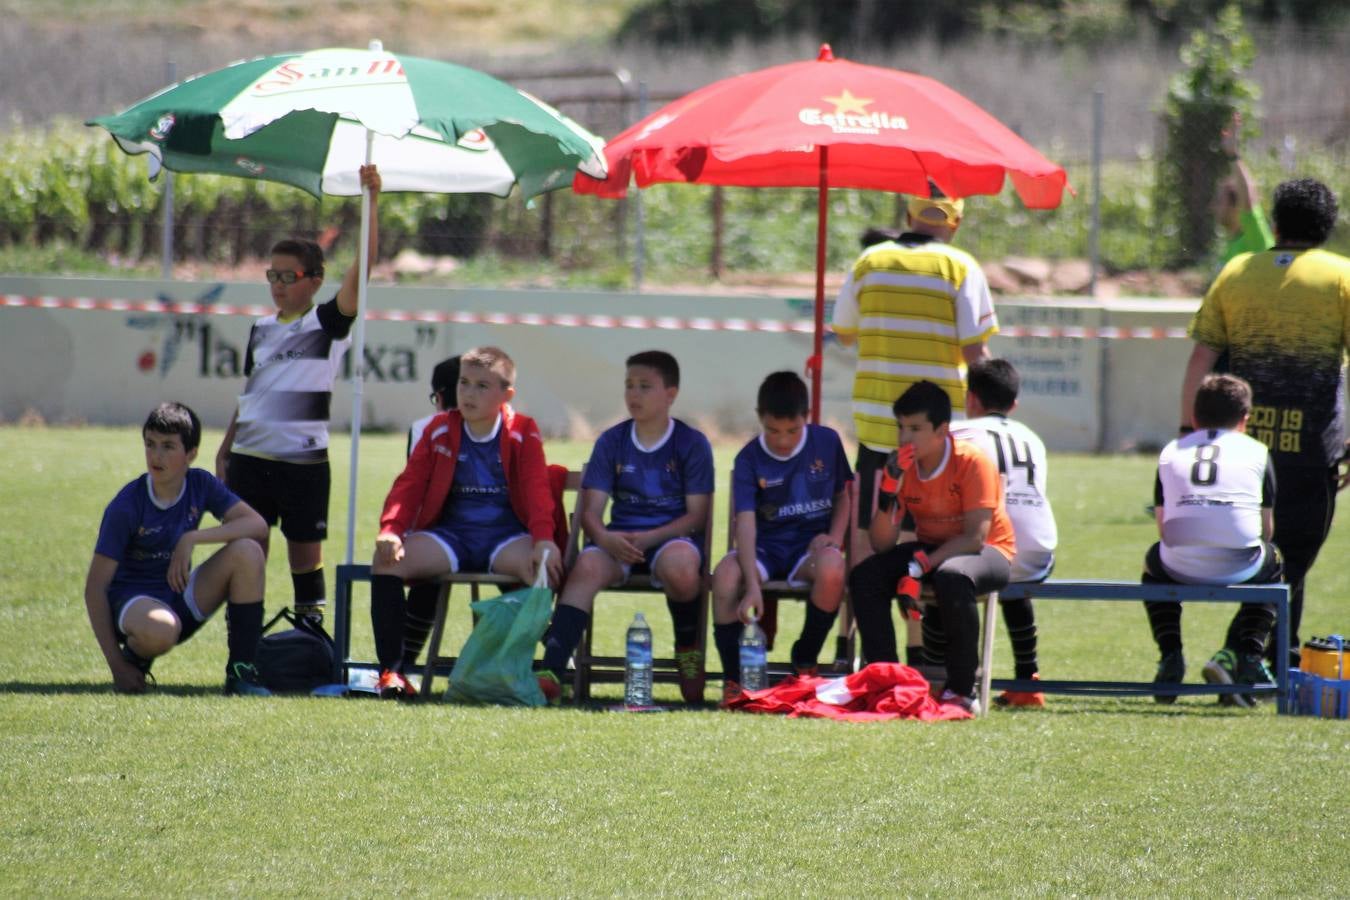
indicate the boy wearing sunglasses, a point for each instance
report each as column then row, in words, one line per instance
column 275, row 452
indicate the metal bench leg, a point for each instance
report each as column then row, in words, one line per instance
column 434, row 643
column 987, row 650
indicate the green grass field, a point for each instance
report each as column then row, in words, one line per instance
column 187, row 793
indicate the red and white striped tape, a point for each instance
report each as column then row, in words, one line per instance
column 559, row 320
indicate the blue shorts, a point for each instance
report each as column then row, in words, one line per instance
column 475, row 551
column 780, row 563
column 184, row 606
column 648, row 564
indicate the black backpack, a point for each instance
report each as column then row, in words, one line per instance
column 297, row 660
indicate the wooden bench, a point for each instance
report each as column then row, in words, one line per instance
column 1276, row 595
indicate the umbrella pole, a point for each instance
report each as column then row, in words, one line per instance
column 359, row 348
column 817, row 345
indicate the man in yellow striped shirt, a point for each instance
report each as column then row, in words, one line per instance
column 919, row 309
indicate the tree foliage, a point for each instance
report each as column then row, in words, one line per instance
column 1201, row 101
column 853, row 23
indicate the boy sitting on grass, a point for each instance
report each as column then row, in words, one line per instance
column 659, row 472
column 789, row 494
column 143, row 594
column 474, row 497
column 1215, row 500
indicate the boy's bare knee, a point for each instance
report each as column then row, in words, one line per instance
column 247, row 552
column 154, row 637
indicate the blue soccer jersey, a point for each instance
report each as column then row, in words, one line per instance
column 793, row 497
column 479, row 497
column 648, row 485
column 141, row 534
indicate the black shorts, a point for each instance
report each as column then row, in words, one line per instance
column 294, row 493
column 866, row 467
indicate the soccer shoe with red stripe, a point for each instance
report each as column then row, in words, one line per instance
column 550, row 687
column 394, row 685
column 951, row 698
column 1021, row 698
column 731, row 692
column 689, row 663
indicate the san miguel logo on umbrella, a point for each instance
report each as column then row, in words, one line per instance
column 850, row 116
column 327, row 70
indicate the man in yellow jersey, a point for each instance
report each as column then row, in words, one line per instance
column 1283, row 317
column 918, row 309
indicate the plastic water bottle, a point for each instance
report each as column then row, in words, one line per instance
column 754, row 657
column 637, row 670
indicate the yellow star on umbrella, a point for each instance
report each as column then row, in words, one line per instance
column 847, row 103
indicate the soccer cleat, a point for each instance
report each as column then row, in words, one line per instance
column 689, row 662
column 803, row 670
column 731, row 692
column 140, row 662
column 550, row 686
column 242, row 680
column 394, row 685
column 1222, row 669
column 951, row 698
column 1252, row 669
column 1171, row 670
column 1021, row 698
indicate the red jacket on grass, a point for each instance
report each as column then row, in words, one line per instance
column 419, row 492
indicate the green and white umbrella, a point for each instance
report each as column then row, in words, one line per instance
column 312, row 119
column 304, row 119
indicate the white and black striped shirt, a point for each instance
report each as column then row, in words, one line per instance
column 291, row 368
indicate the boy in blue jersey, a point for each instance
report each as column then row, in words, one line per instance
column 788, row 491
column 658, row 472
column 142, row 593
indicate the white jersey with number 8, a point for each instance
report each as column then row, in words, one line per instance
column 1211, row 487
column 1021, row 459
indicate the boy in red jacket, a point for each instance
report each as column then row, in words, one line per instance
column 474, row 497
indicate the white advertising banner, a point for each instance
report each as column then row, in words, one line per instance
column 67, row 362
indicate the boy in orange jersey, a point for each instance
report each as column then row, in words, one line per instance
column 965, row 540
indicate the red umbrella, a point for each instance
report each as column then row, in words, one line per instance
column 828, row 123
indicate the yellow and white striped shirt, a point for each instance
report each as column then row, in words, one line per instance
column 913, row 304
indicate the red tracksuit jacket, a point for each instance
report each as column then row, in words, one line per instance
column 419, row 492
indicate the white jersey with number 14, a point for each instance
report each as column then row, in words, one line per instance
column 1021, row 459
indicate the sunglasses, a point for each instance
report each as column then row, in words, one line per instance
column 285, row 276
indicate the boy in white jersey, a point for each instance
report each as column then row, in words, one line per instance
column 275, row 451
column 992, row 386
column 1215, row 496
column 656, row 475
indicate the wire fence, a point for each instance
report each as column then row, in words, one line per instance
column 86, row 195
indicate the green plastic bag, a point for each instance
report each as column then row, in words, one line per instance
column 496, row 664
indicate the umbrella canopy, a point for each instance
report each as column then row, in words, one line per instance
column 304, row 118
column 828, row 123
column 311, row 119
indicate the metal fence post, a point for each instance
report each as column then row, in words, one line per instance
column 166, row 237
column 1095, row 228
column 639, row 215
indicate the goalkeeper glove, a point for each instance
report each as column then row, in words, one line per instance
column 890, row 477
